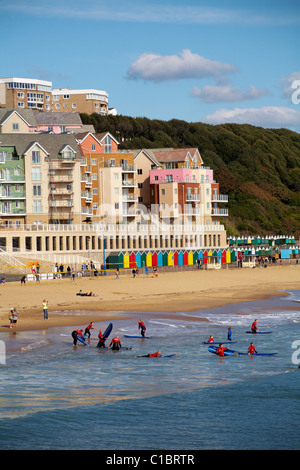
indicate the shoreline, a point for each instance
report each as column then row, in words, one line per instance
column 129, row 297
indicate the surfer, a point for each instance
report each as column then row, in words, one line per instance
column 156, row 354
column 220, row 350
column 211, row 339
column 115, row 344
column 101, row 342
column 254, row 327
column 251, row 349
column 75, row 334
column 88, row 329
column 229, row 333
column 142, row 327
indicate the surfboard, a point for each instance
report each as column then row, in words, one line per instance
column 230, row 352
column 82, row 340
column 259, row 332
column 219, row 342
column 137, row 336
column 108, row 331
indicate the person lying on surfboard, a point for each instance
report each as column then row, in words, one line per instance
column 254, row 328
column 251, row 349
column 156, row 354
column 220, row 350
column 142, row 327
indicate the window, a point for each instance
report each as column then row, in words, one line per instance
column 15, row 126
column 116, row 190
column 116, row 205
column 140, row 199
column 36, row 174
column 94, row 148
column 35, row 157
column 112, row 162
column 94, row 176
column 37, row 206
column 74, row 105
column 37, row 190
column 57, row 106
column 163, row 192
column 116, row 175
column 140, row 185
column 20, row 94
column 3, row 156
column 140, row 171
column 66, row 97
column 17, row 188
column 95, row 191
column 107, row 144
column 21, row 105
column 94, row 160
column 155, row 178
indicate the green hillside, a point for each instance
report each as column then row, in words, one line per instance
column 258, row 168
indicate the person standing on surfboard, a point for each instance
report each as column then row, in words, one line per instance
column 251, row 349
column 115, row 344
column 142, row 327
column 254, row 328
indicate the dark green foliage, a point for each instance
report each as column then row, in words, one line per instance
column 258, row 168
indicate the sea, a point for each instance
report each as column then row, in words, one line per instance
column 57, row 396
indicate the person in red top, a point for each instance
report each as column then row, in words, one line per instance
column 254, row 327
column 220, row 350
column 156, row 354
column 101, row 342
column 115, row 344
column 251, row 349
column 88, row 328
column 75, row 334
column 142, row 327
column 211, row 339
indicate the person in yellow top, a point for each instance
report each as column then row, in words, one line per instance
column 45, row 309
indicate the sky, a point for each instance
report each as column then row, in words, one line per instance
column 211, row 61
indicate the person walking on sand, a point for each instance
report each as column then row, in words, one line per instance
column 13, row 318
column 117, row 273
column 45, row 309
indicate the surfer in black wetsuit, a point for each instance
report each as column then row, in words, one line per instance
column 115, row 344
column 101, row 342
column 142, row 327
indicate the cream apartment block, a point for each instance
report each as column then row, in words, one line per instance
column 24, row 93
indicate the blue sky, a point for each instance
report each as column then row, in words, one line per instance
column 207, row 61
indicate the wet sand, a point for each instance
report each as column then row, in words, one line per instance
column 128, row 297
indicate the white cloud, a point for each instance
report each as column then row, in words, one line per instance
column 226, row 93
column 267, row 116
column 159, row 68
column 286, row 84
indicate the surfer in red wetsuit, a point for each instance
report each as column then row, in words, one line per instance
column 75, row 334
column 220, row 350
column 254, row 327
column 251, row 349
column 211, row 339
column 156, row 354
column 88, row 328
column 142, row 327
column 115, row 344
column 101, row 342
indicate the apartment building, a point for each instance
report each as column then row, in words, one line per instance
column 108, row 179
column 40, row 178
column 30, row 93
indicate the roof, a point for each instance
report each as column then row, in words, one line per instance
column 61, row 119
column 174, row 155
column 52, row 143
column 26, row 114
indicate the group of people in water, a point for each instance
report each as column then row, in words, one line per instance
column 115, row 343
column 221, row 349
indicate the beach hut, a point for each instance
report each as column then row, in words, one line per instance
column 159, row 259
column 228, row 256
column 132, row 260
column 223, row 257
column 154, row 258
column 204, row 257
column 126, row 261
column 138, row 260
column 149, row 259
column 176, row 258
column 121, row 260
column 165, row 258
column 112, row 261
column 233, row 256
column 190, row 258
column 185, row 258
column 180, row 258
column 195, row 257
column 209, row 257
column 144, row 260
column 219, row 256
column 170, row 259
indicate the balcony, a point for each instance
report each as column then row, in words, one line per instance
column 128, row 168
column 193, row 197
column 129, row 183
column 219, row 198
column 219, row 212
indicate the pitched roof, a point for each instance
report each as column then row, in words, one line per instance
column 26, row 114
column 52, row 143
column 58, row 119
column 173, row 155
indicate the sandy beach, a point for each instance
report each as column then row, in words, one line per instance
column 169, row 292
